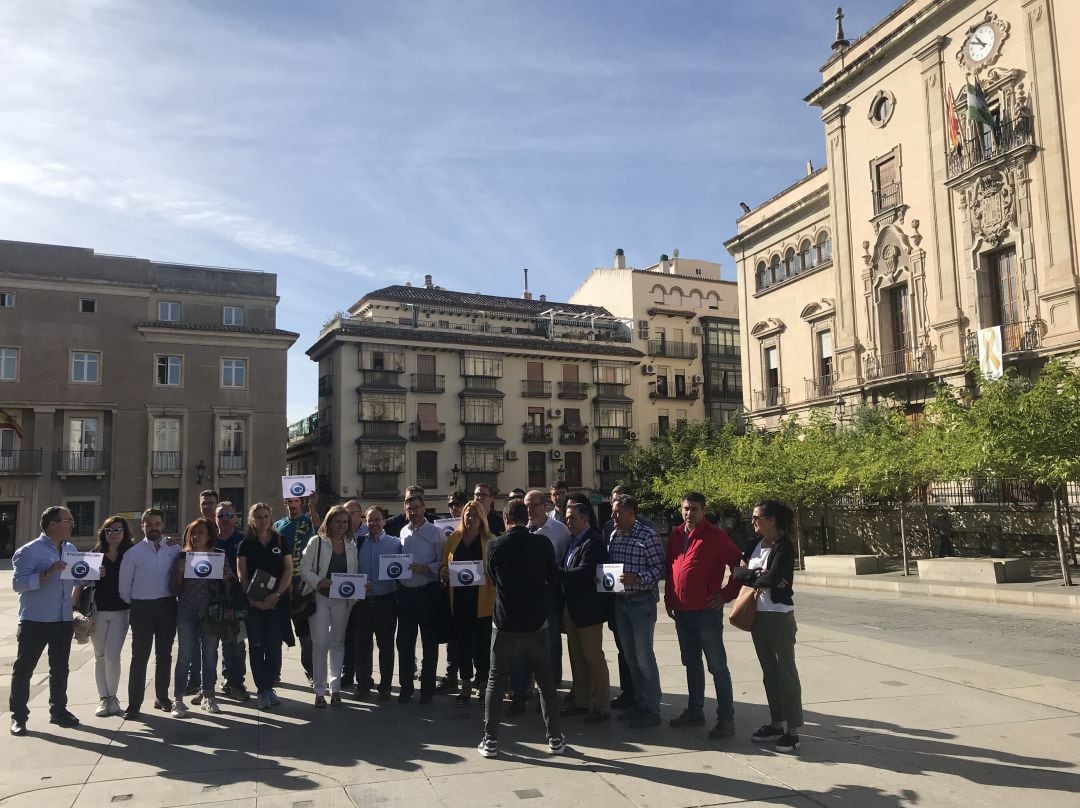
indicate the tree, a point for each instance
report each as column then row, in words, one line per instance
column 651, row 466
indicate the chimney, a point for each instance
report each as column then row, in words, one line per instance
column 620, row 259
column 809, row 167
column 543, row 298
column 427, row 282
column 665, row 264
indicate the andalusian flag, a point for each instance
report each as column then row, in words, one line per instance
column 954, row 122
column 977, row 109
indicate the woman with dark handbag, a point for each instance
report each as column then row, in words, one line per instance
column 769, row 567
column 111, row 617
column 328, row 551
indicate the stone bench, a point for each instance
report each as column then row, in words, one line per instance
column 842, row 564
column 975, row 570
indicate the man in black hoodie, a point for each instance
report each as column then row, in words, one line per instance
column 522, row 567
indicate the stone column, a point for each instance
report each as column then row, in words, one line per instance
column 846, row 329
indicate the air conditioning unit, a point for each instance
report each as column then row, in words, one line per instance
column 648, row 369
column 697, row 378
column 631, row 435
column 696, row 330
column 554, row 413
column 556, row 454
column 511, row 454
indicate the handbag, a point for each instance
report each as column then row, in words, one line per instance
column 83, row 616
column 302, row 604
column 226, row 612
column 744, row 609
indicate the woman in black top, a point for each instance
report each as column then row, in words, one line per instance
column 769, row 567
column 264, row 549
column 111, row 623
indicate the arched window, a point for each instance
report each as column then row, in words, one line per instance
column 806, row 256
column 713, row 299
column 658, row 294
column 824, row 247
column 676, row 297
column 789, row 263
column 775, row 270
column 695, row 299
column 762, row 276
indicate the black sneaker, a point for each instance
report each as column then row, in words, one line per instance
column 557, row 745
column 787, row 743
column 63, row 719
column 688, row 718
column 623, row 702
column 766, row 734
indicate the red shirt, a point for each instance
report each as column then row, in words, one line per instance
column 695, row 567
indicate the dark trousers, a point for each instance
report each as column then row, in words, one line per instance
column 374, row 620
column 470, row 643
column 416, row 615
column 153, row 626
column 626, row 680
column 264, row 645
column 519, row 675
column 506, row 647
column 33, row 637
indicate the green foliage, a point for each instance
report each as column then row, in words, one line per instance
column 650, row 465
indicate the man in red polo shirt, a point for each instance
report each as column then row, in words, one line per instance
column 697, row 555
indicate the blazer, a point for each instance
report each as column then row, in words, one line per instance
column 485, row 597
column 780, row 567
column 311, row 574
column 586, row 606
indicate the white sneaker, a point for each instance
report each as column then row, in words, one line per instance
column 105, row 709
column 179, row 709
column 114, row 706
column 557, row 745
column 488, row 747
column 210, row 705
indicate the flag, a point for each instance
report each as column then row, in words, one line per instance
column 954, row 122
column 977, row 109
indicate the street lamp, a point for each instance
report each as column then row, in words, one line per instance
column 200, row 472
column 455, row 473
column 840, row 411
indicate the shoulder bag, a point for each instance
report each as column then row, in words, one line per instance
column 302, row 604
column 744, row 609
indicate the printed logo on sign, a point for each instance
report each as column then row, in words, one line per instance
column 80, row 569
column 609, row 581
column 465, row 577
column 297, row 489
column 394, row 569
column 203, row 568
column 347, row 589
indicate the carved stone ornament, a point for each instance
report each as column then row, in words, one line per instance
column 818, row 309
column 981, row 44
column 766, row 328
column 991, row 206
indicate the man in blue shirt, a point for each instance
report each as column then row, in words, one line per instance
column 44, row 619
column 233, row 652
column 296, row 529
column 376, row 615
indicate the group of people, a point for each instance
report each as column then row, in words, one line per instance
column 542, row 575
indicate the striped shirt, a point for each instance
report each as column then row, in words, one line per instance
column 640, row 552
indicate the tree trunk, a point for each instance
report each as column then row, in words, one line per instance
column 1066, row 577
column 1070, row 536
column 798, row 538
column 903, row 538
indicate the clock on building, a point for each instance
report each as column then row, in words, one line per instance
column 982, row 43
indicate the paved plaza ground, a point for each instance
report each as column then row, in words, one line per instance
column 909, row 702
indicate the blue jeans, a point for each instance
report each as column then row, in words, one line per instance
column 703, row 632
column 635, row 617
column 233, row 662
column 194, row 643
column 264, row 645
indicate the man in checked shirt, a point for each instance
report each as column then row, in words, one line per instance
column 639, row 550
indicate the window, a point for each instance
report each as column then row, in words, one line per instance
column 762, row 276
column 537, row 470
column 375, row 458
column 825, row 355
column 722, row 339
column 168, row 311
column 663, row 422
column 790, row 267
column 676, row 297
column 169, row 370
column 680, row 384
column 1006, row 288
column 609, row 372
column 427, row 469
column 165, row 456
column 775, row 271
column 9, row 364
column 572, row 469
column 86, row 367
column 7, row 450
column 88, row 305
column 234, row 373
column 82, row 435
column 82, row 513
column 823, row 248
column 477, row 363
column 481, row 411
column 232, row 315
column 168, row 501
column 231, row 444
column 772, row 376
column 695, row 298
column 7, row 300
column 680, row 418
column 806, row 256
column 613, row 416
column 886, row 176
column 482, row 458
column 658, row 294
column 898, row 316
column 238, row 497
column 384, row 407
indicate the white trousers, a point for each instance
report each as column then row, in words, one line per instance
column 110, row 631
column 327, row 627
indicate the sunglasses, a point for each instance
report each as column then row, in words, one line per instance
column 226, row 516
column 114, row 530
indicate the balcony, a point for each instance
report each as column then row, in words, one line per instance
column 535, row 388
column 380, row 484
column 676, row 395
column 232, row 462
column 659, row 430
column 721, row 393
column 490, row 464
column 606, row 480
column 895, row 363
column 1008, row 136
column 536, row 433
column 675, row 350
column 379, row 379
column 165, row 462
column 1018, row 337
column 821, row 387
column 21, row 461
column 720, row 351
column 326, row 386
column 379, row 429
column 772, row 397
column 613, row 391
column 615, row 434
column 427, row 383
column 303, row 429
column 578, row 390
column 573, row 435
column 84, row 462
column 887, row 197
column 482, row 433
column 427, row 433
column 481, row 386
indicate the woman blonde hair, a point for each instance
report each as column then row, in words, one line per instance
column 330, row 516
column 485, row 531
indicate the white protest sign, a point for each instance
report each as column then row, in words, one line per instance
column 447, row 526
column 204, row 566
column 466, row 573
column 395, row 567
column 608, row 578
column 81, row 566
column 348, row 586
column 294, row 487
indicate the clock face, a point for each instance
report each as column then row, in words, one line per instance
column 981, row 42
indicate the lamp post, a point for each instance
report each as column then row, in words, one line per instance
column 455, row 473
column 840, row 411
column 200, row 472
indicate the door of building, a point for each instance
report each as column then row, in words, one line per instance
column 9, row 529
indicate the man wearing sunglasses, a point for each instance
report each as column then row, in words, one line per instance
column 233, row 652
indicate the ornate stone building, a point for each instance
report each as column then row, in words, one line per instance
column 946, row 207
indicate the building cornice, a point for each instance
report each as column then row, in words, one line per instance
column 778, row 220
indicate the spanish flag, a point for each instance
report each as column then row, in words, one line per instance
column 954, row 122
column 8, row 422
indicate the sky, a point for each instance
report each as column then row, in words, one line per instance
column 349, row 144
